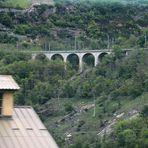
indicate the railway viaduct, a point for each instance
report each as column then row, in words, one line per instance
column 80, row 54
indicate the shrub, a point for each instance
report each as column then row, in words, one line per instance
column 68, row 108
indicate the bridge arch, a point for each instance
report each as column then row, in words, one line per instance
column 74, row 60
column 89, row 59
column 102, row 55
column 57, row 56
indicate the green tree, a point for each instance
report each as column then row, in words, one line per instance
column 6, row 19
column 144, row 112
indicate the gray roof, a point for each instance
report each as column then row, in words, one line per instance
column 24, row 130
column 8, row 83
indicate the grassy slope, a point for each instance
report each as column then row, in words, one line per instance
column 92, row 125
column 24, row 3
column 17, row 3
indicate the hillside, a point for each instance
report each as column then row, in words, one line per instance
column 101, row 107
column 15, row 3
column 75, row 25
column 89, row 107
column 22, row 4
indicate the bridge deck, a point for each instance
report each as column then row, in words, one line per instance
column 76, row 51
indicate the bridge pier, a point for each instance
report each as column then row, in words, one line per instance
column 81, row 63
column 65, row 61
column 34, row 56
column 96, row 56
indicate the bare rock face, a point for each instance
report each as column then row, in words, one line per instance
column 108, row 128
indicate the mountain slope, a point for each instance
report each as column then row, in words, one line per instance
column 77, row 26
column 24, row 3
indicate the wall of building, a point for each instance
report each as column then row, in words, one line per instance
column 7, row 104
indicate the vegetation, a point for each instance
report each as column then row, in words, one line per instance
column 114, row 83
column 102, row 106
column 130, row 133
column 100, row 25
column 15, row 3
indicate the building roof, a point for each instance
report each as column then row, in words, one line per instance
column 24, row 130
column 8, row 83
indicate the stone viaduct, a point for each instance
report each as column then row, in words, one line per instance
column 64, row 55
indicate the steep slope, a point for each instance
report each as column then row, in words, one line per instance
column 81, row 110
column 74, row 26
